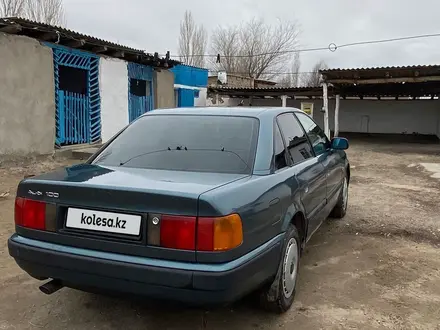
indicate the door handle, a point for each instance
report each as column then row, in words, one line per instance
column 274, row 202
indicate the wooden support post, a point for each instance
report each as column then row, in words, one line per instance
column 99, row 49
column 338, row 101
column 75, row 43
column 325, row 99
column 48, row 36
column 438, row 121
column 284, row 101
column 12, row 29
column 118, row 54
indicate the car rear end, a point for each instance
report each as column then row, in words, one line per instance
column 129, row 220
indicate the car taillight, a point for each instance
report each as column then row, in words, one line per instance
column 178, row 232
column 35, row 214
column 219, row 234
column 195, row 234
column 30, row 214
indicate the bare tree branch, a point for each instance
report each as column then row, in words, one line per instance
column 293, row 78
column 45, row 11
column 11, row 8
column 314, row 78
column 192, row 41
column 260, row 47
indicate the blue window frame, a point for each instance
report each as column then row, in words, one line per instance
column 77, row 112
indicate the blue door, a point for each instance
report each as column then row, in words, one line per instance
column 74, row 118
column 138, row 106
column 140, row 90
column 185, row 98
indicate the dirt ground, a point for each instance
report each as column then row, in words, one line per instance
column 379, row 268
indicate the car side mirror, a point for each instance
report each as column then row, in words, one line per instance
column 339, row 143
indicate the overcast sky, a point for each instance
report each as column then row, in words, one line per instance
column 154, row 25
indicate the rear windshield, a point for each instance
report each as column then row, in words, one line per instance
column 218, row 144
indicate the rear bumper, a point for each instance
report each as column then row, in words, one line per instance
column 177, row 281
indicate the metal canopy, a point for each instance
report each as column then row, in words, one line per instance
column 409, row 81
column 383, row 75
column 405, row 81
column 276, row 92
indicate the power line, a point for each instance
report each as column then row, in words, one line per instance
column 256, row 55
column 265, row 73
column 390, row 40
column 331, row 47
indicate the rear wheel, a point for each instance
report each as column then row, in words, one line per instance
column 341, row 206
column 279, row 295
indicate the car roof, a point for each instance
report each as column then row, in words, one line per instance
column 224, row 111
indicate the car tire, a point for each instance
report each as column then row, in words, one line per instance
column 340, row 208
column 278, row 296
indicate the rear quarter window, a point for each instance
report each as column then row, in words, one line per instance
column 222, row 144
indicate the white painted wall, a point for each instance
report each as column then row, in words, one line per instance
column 113, row 83
column 201, row 100
column 367, row 116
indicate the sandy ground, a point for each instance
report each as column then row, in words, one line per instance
column 379, row 268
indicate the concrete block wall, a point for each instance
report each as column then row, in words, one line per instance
column 163, row 86
column 27, row 96
column 387, row 116
column 368, row 115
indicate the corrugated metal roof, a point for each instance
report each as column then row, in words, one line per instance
column 61, row 35
column 192, row 66
column 383, row 75
column 266, row 91
column 257, row 80
column 274, row 88
column 52, row 28
column 431, row 66
column 345, row 90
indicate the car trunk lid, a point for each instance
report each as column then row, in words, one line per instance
column 91, row 193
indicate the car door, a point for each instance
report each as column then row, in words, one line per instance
column 329, row 158
column 306, row 167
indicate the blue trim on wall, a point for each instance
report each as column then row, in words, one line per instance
column 68, row 107
column 95, row 101
column 139, row 71
column 70, row 50
column 190, row 76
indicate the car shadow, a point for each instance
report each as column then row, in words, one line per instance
column 135, row 313
column 111, row 312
